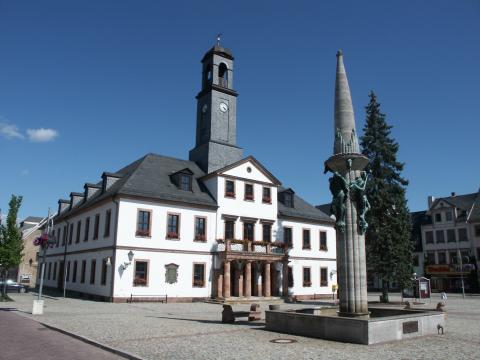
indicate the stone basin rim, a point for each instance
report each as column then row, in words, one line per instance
column 407, row 314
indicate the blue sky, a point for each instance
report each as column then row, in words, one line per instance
column 90, row 86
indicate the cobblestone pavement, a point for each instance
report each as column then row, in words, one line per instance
column 195, row 331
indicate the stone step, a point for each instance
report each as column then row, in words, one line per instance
column 244, row 300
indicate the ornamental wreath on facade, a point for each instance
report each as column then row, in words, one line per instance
column 171, row 273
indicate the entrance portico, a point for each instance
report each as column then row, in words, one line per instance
column 249, row 268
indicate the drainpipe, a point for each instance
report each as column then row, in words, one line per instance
column 115, row 232
column 65, row 260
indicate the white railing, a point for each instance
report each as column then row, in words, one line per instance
column 236, row 247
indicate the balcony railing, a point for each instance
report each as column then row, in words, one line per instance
column 257, row 247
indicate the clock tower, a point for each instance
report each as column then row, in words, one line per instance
column 216, row 135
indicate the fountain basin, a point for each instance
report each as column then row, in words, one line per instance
column 382, row 325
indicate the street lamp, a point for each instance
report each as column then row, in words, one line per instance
column 38, row 304
column 460, row 262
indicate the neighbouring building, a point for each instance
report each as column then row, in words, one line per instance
column 26, row 273
column 218, row 225
column 451, row 242
column 418, row 219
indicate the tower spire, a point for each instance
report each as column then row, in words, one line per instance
column 345, row 135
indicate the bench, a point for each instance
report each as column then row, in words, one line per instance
column 229, row 316
column 159, row 298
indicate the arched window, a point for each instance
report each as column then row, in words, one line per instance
column 223, row 75
column 207, row 75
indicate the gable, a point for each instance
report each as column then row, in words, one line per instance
column 249, row 170
column 441, row 204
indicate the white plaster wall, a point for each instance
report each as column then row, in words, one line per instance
column 156, row 274
column 315, row 266
column 297, row 239
column 242, row 208
column 127, row 225
column 90, row 244
column 242, row 172
column 314, row 258
column 97, row 288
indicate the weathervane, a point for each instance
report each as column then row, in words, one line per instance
column 218, row 39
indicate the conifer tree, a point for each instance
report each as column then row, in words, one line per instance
column 388, row 245
column 11, row 245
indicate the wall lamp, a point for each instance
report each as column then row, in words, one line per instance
column 130, row 258
column 332, row 272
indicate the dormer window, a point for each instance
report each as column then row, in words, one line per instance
column 183, row 179
column 186, row 182
column 286, row 198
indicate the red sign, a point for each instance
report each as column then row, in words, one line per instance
column 448, row 269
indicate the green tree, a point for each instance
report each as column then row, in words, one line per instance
column 11, row 245
column 388, row 245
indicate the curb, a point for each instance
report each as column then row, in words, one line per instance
column 115, row 351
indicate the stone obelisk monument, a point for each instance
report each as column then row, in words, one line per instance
column 349, row 204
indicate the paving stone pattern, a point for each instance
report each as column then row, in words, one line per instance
column 195, row 331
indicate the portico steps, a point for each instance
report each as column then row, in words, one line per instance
column 247, row 300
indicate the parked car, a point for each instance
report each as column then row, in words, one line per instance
column 13, row 286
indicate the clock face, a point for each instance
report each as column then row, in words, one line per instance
column 223, row 107
column 204, row 108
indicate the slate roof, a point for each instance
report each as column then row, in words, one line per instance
column 152, row 179
column 149, row 176
column 33, row 219
column 302, row 209
column 325, row 208
column 468, row 202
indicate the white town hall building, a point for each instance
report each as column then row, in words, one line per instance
column 215, row 226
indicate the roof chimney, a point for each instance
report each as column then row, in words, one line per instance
column 431, row 199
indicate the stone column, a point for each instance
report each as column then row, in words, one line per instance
column 348, row 188
column 219, row 284
column 226, row 279
column 285, row 278
column 273, row 279
column 266, row 290
column 239, row 278
column 248, row 279
column 258, row 279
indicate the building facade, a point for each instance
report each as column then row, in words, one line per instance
column 451, row 242
column 218, row 225
column 26, row 273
